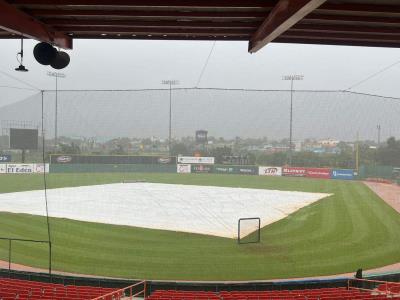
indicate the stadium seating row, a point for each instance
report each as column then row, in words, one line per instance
column 309, row 294
column 16, row 289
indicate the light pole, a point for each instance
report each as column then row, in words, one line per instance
column 291, row 78
column 170, row 82
column 56, row 75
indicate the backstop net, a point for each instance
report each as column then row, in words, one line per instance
column 139, row 182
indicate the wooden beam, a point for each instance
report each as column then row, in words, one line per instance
column 336, row 42
column 153, row 3
column 20, row 23
column 154, row 31
column 150, row 24
column 344, row 29
column 156, row 14
column 344, row 37
column 283, row 16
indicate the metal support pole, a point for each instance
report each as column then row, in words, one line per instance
column 56, row 117
column 50, row 259
column 9, row 256
column 291, row 123
column 170, row 119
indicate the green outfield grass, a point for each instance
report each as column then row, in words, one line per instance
column 351, row 229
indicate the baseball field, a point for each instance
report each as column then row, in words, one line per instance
column 353, row 228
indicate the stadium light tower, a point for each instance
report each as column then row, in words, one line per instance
column 292, row 78
column 170, row 82
column 56, row 75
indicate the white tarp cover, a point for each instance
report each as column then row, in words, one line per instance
column 198, row 209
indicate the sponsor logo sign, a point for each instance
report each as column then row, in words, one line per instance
column 24, row 168
column 183, row 168
column 344, row 174
column 164, row 160
column 318, row 173
column 195, row 160
column 64, row 159
column 201, row 169
column 41, row 168
column 5, row 158
column 294, row 171
column 270, row 171
column 20, row 168
column 249, row 170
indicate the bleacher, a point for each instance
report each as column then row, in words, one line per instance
column 306, row 294
column 16, row 289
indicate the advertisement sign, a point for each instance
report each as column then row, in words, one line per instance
column 201, row 169
column 344, row 174
column 183, row 168
column 249, row 170
column 318, row 173
column 3, row 168
column 294, row 171
column 195, row 160
column 111, row 159
column 270, row 171
column 5, row 158
column 41, row 168
column 20, row 168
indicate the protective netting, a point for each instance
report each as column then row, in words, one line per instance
column 224, row 113
column 118, row 206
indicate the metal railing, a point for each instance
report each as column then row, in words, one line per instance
column 374, row 286
column 127, row 292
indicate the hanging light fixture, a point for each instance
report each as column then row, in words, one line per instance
column 21, row 67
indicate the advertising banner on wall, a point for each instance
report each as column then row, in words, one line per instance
column 195, row 160
column 23, row 168
column 270, row 171
column 201, row 169
column 5, row 158
column 20, row 168
column 183, row 168
column 294, row 171
column 110, row 159
column 41, row 168
column 344, row 174
column 318, row 173
column 249, row 170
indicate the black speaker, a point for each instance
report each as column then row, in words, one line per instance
column 44, row 53
column 61, row 60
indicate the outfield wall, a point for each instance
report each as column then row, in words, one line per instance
column 322, row 173
column 107, row 168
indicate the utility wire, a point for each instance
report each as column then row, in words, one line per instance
column 20, row 80
column 16, row 87
column 206, row 63
column 372, row 76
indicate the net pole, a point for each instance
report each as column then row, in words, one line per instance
column 45, row 185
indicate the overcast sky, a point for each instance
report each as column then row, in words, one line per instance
column 124, row 64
